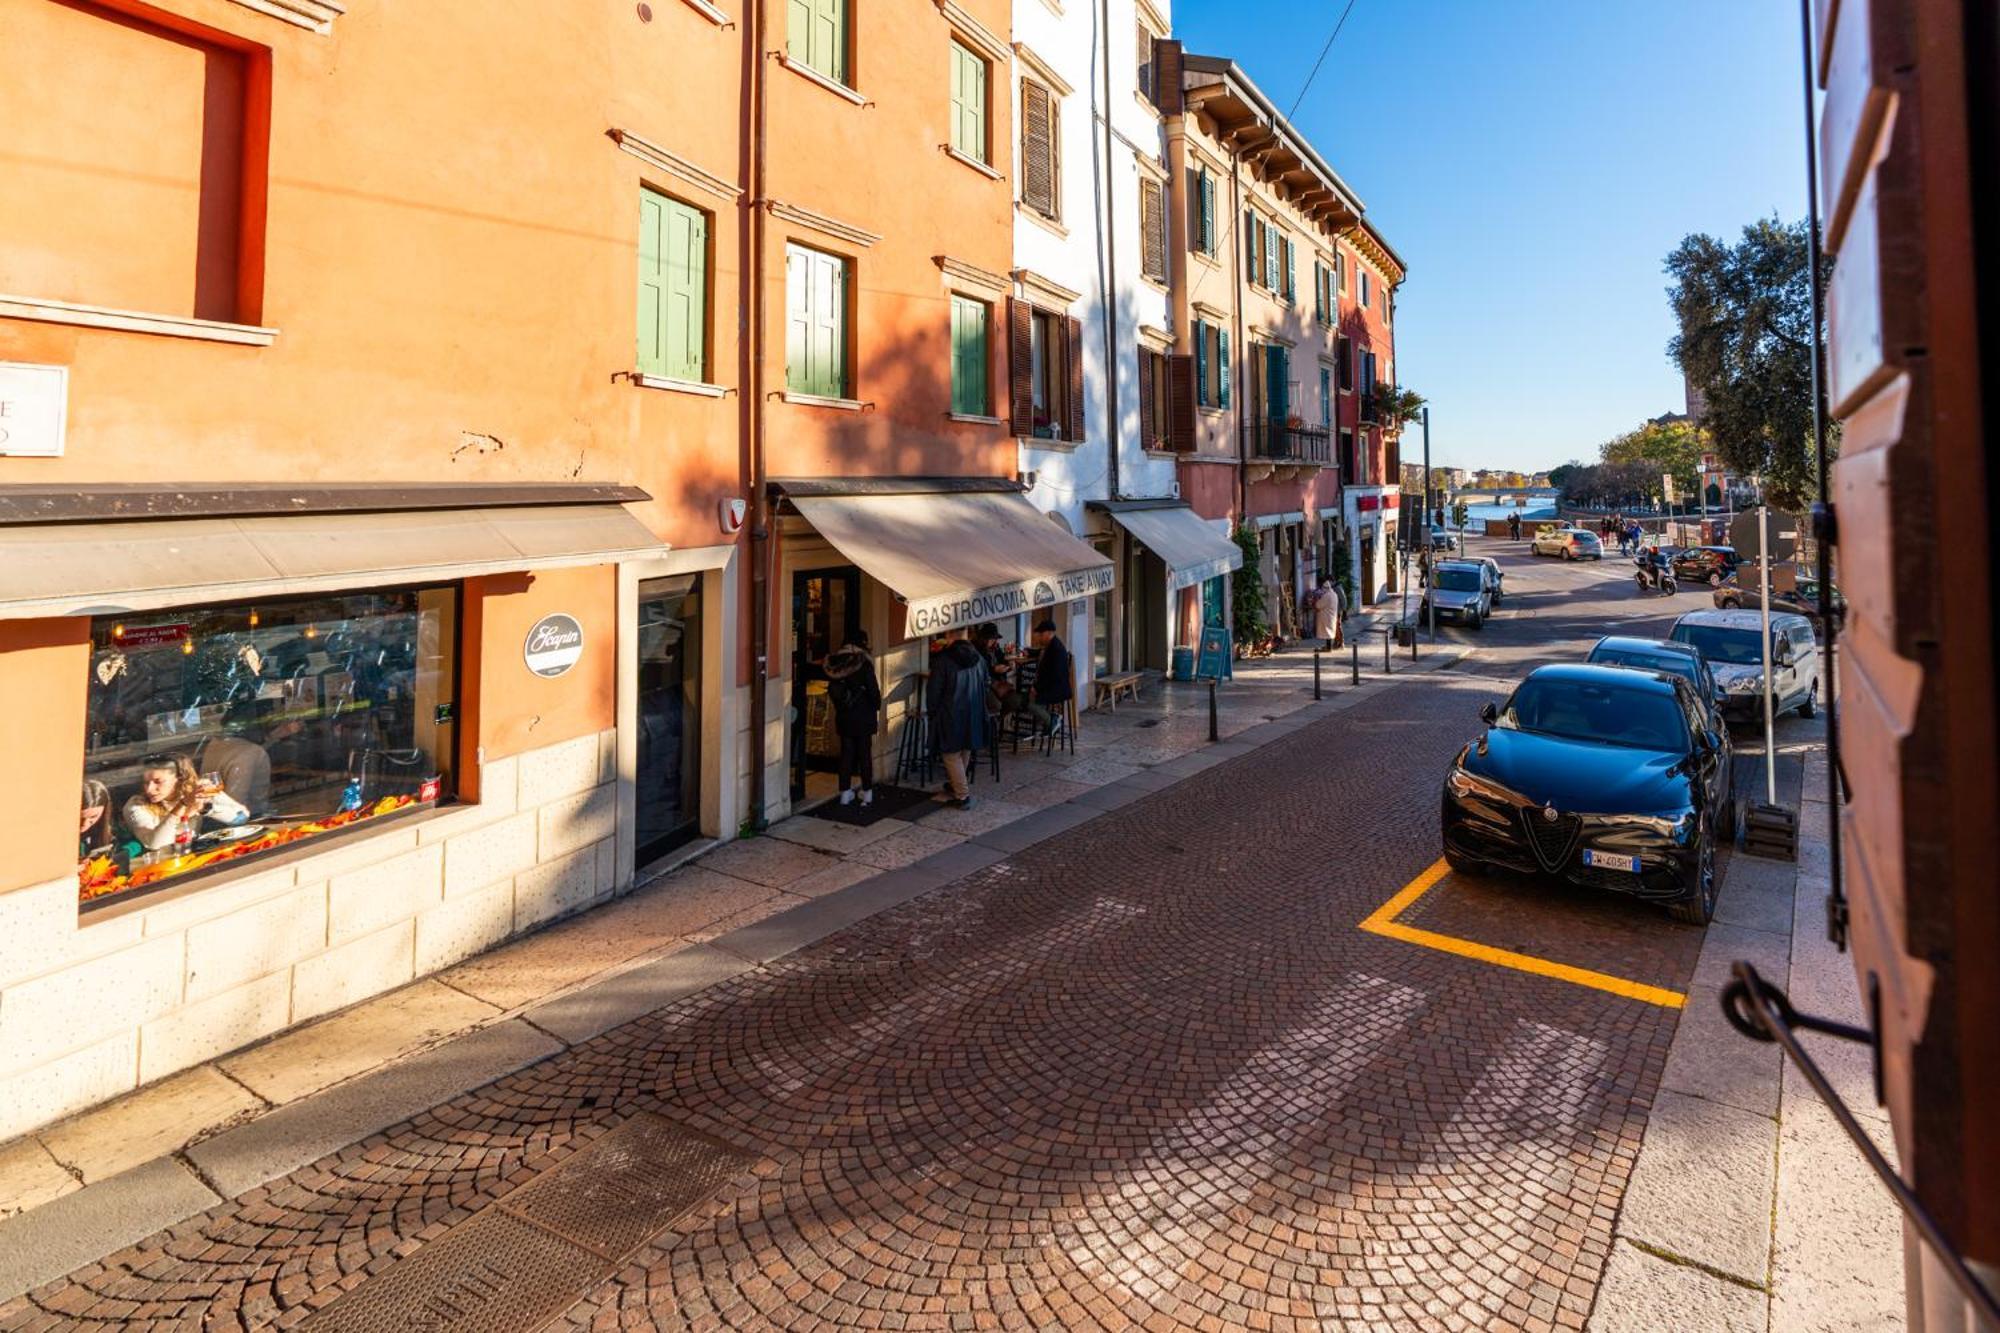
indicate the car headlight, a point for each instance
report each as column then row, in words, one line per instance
column 1745, row 685
column 1461, row 783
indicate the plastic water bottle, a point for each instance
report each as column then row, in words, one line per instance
column 351, row 798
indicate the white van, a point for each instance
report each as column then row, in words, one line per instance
column 1732, row 642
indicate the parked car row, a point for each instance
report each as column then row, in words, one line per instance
column 1617, row 772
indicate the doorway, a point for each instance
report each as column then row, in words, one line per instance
column 1145, row 610
column 826, row 612
column 668, row 642
column 1365, row 568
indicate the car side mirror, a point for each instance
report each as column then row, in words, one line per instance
column 1783, row 656
column 1489, row 714
column 1712, row 739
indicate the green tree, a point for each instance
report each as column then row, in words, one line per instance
column 1670, row 447
column 1746, row 342
column 1247, row 613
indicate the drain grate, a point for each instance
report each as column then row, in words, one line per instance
column 538, row 1251
column 627, row 1186
column 493, row 1274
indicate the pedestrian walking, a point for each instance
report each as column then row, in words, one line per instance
column 956, row 701
column 1514, row 527
column 856, row 696
column 1326, row 613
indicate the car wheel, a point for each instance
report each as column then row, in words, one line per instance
column 1568, row 554
column 1473, row 620
column 1462, row 864
column 1811, row 705
column 1727, row 819
column 1697, row 904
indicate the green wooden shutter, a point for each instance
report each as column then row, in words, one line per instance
column 968, row 103
column 1207, row 212
column 1271, row 257
column 686, row 308
column 652, row 284
column 1201, row 362
column 1291, row 289
column 1277, row 381
column 815, row 322
column 969, row 393
column 1222, row 367
column 1250, row 245
column 816, row 36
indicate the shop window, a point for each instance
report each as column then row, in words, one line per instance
column 218, row 734
column 142, row 146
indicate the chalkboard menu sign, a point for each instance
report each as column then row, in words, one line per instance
column 1213, row 658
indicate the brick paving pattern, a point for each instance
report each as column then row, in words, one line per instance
column 1145, row 1075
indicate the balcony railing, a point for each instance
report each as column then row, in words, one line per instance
column 1275, row 442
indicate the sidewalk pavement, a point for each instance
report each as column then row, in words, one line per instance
column 1749, row 1210
column 85, row 1186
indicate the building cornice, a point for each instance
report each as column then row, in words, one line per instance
column 1042, row 70
column 820, row 222
column 675, row 165
column 971, row 274
column 1034, row 285
column 973, row 30
column 312, row 15
column 1153, row 18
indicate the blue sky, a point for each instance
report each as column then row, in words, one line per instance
column 1533, row 161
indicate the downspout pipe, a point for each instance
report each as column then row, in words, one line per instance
column 1236, row 323
column 1107, row 262
column 751, row 358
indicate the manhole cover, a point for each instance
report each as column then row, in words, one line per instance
column 533, row 1254
column 494, row 1274
column 626, row 1187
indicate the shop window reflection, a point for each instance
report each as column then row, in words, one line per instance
column 221, row 733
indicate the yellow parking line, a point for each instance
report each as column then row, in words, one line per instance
column 1382, row 921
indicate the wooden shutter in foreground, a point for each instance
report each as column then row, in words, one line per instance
column 1180, row 404
column 1021, row 366
column 1153, row 228
column 1038, row 149
column 652, row 283
column 1073, row 425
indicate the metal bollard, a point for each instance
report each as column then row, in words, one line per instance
column 1354, row 657
column 1387, row 634
column 1316, row 693
column 1413, row 647
column 1211, row 709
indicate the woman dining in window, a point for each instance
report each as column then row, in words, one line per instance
column 173, row 800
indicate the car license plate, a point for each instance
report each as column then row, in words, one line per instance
column 1610, row 861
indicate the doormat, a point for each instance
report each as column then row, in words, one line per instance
column 889, row 803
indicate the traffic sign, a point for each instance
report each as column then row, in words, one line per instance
column 1743, row 536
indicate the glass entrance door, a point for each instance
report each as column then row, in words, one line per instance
column 826, row 611
column 669, row 770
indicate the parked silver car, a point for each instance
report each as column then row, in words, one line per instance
column 1732, row 641
column 1459, row 591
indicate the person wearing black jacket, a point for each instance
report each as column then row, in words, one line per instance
column 1055, row 680
column 857, row 714
column 956, row 701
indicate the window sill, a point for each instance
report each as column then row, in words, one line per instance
column 312, row 15
column 711, row 13
column 973, row 419
column 1157, row 284
column 1152, row 108
column 1059, row 446
column 1203, row 256
column 673, row 385
column 1046, row 224
column 834, row 86
column 821, row 400
column 970, row 161
column 1208, row 410
column 135, row 321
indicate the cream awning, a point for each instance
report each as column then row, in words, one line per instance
column 958, row 557
column 73, row 569
column 1191, row 549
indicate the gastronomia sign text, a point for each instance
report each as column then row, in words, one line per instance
column 931, row 615
column 555, row 642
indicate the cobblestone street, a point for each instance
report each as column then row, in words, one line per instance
column 1146, row 1073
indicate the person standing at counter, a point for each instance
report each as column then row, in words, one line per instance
column 172, row 801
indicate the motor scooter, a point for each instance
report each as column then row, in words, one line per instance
column 1650, row 579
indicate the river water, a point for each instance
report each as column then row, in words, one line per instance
column 1537, row 510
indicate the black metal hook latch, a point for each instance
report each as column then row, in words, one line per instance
column 1760, row 1011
